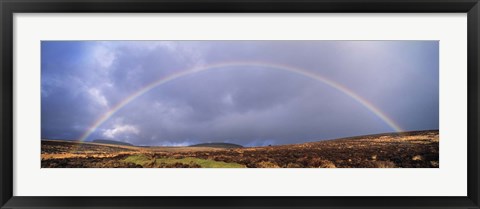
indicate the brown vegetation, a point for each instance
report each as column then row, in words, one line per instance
column 418, row 149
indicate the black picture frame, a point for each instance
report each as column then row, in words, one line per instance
column 10, row 7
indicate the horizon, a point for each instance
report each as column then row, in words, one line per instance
column 257, row 93
column 222, row 142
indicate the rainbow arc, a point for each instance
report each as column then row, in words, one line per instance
column 228, row 65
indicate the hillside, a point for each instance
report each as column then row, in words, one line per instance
column 414, row 149
column 217, row 145
column 105, row 141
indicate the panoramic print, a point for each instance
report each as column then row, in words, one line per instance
column 240, row 104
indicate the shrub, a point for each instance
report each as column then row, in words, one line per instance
column 267, row 164
column 384, row 164
column 321, row 163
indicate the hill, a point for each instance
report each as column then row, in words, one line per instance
column 413, row 149
column 217, row 145
column 105, row 141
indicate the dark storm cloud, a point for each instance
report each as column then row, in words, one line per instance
column 248, row 105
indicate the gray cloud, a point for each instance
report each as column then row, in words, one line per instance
column 248, row 105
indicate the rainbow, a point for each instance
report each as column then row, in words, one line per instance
column 203, row 68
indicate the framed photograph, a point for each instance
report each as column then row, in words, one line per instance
column 239, row 104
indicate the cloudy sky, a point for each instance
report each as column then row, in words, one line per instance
column 154, row 93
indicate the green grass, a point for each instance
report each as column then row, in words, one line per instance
column 138, row 159
column 202, row 162
column 144, row 160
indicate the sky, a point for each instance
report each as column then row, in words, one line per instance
column 252, row 93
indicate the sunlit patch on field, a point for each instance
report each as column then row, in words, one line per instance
column 188, row 162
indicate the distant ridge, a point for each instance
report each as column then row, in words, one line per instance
column 416, row 132
column 217, row 145
column 105, row 141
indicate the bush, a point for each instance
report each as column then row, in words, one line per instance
column 320, row 163
column 267, row 164
column 384, row 164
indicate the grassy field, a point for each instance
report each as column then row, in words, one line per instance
column 145, row 161
column 419, row 149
